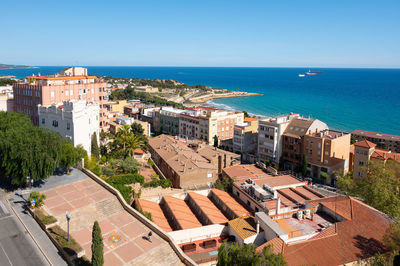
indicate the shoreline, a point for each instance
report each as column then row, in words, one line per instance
column 209, row 97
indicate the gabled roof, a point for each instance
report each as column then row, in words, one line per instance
column 359, row 237
column 365, row 144
column 243, row 226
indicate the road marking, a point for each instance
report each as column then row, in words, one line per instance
column 1, row 246
column 3, row 208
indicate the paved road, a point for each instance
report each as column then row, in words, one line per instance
column 16, row 245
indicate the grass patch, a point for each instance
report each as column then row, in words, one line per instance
column 72, row 247
column 44, row 217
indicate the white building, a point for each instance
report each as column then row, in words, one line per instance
column 75, row 120
column 270, row 137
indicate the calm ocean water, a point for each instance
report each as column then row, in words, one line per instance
column 346, row 99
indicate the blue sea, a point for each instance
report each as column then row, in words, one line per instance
column 346, row 99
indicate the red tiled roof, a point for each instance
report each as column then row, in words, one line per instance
column 208, row 208
column 376, row 135
column 359, row 237
column 230, row 202
column 276, row 244
column 365, row 144
column 182, row 213
column 157, row 214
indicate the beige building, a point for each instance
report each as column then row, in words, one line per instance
column 245, row 136
column 366, row 151
column 204, row 123
column 147, row 89
column 270, row 137
column 189, row 167
column 327, row 151
column 116, row 106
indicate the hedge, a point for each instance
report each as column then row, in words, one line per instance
column 164, row 183
column 72, row 247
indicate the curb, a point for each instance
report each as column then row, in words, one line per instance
column 26, row 228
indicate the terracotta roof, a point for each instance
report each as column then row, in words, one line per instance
column 249, row 119
column 243, row 226
column 138, row 151
column 355, row 239
column 292, row 195
column 230, row 202
column 365, row 144
column 276, row 244
column 208, row 208
column 376, row 135
column 308, row 193
column 182, row 213
column 61, row 77
column 157, row 214
column 298, row 127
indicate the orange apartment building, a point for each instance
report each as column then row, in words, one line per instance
column 71, row 83
column 327, row 151
column 204, row 123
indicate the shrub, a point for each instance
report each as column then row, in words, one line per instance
column 324, row 176
column 44, row 217
column 164, row 183
column 150, row 162
column 72, row 247
column 146, row 214
column 119, row 182
column 108, row 171
column 39, row 198
column 129, row 166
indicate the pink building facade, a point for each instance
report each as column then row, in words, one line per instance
column 53, row 89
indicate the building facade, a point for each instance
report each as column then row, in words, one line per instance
column 327, row 151
column 75, row 120
column 383, row 141
column 245, row 136
column 204, row 123
column 293, row 140
column 70, row 84
column 270, row 137
column 169, row 120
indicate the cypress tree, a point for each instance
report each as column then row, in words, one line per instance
column 95, row 146
column 97, row 246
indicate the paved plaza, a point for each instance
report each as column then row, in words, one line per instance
column 123, row 234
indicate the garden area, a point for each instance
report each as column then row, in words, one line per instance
column 113, row 161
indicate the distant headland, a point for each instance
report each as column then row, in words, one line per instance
column 6, row 66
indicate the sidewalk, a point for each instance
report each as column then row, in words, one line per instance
column 18, row 204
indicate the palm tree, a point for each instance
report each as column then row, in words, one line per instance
column 133, row 142
column 122, row 136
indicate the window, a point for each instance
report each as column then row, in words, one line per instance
column 66, row 93
column 248, row 203
column 99, row 89
column 359, row 174
column 237, row 194
column 52, row 94
column 256, row 209
column 68, row 126
column 71, row 92
column 326, row 153
column 325, row 161
column 55, row 123
column 361, row 163
column 43, row 121
column 92, row 90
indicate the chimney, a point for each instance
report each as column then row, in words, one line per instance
column 258, row 227
column 278, row 205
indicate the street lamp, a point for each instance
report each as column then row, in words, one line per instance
column 68, row 216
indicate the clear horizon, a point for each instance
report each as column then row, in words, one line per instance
column 340, row 34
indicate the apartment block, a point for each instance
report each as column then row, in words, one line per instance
column 327, row 151
column 366, row 151
column 169, row 120
column 204, row 123
column 293, row 140
column 382, row 141
column 245, row 136
column 72, row 83
column 270, row 133
column 75, row 120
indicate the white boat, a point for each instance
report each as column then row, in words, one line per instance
column 302, row 75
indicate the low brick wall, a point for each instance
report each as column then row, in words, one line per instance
column 182, row 256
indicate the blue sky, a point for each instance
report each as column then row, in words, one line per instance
column 350, row 33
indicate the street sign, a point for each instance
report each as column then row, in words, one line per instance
column 33, row 204
column 33, row 200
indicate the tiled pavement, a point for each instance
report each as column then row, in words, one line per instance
column 123, row 234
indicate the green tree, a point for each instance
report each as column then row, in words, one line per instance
column 233, row 254
column 137, row 129
column 70, row 156
column 246, row 114
column 215, row 141
column 224, row 184
column 380, row 188
column 97, row 246
column 304, row 164
column 95, row 146
column 129, row 166
column 26, row 150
